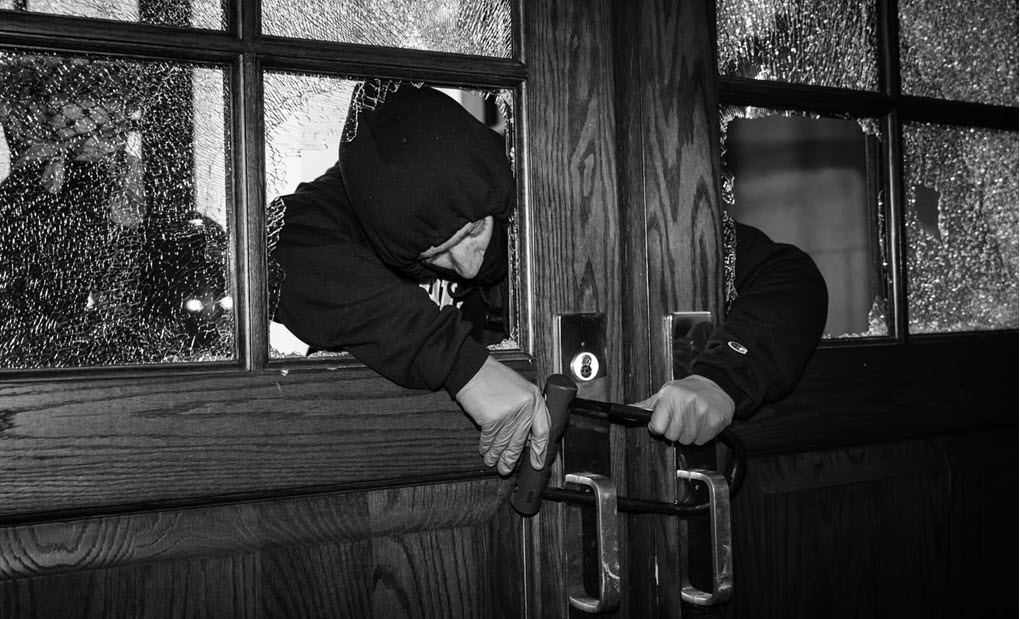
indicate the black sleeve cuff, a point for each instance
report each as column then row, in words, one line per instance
column 469, row 360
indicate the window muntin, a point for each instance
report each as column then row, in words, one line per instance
column 206, row 14
column 816, row 42
column 116, row 244
column 482, row 27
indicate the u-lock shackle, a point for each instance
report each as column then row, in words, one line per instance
column 560, row 397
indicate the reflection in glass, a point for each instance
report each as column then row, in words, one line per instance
column 810, row 182
column 114, row 247
column 962, row 234
column 815, row 42
column 306, row 121
column 181, row 13
column 959, row 50
column 477, row 27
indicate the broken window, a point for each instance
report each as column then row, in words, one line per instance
column 962, row 232
column 481, row 28
column 113, row 209
column 959, row 50
column 941, row 162
column 306, row 121
column 206, row 14
column 816, row 42
column 810, row 181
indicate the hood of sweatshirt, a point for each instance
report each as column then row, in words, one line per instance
column 418, row 169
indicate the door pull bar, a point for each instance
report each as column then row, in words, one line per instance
column 722, row 541
column 608, row 546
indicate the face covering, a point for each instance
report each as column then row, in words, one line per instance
column 494, row 262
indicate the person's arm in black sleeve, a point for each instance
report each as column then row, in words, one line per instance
column 339, row 295
column 772, row 328
column 336, row 293
column 759, row 351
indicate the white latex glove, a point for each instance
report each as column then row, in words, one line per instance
column 689, row 410
column 507, row 408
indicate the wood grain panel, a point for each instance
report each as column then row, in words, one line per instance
column 917, row 528
column 843, row 541
column 95, row 543
column 216, row 587
column 326, row 580
column 103, row 444
column 670, row 214
column 867, row 394
column 571, row 171
column 571, row 185
column 438, row 551
column 982, row 557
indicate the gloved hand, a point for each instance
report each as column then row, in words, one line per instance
column 690, row 410
column 506, row 407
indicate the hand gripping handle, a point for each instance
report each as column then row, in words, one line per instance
column 527, row 495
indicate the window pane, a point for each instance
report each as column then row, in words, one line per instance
column 477, row 27
column 306, row 121
column 962, row 230
column 959, row 50
column 113, row 212
column 182, row 13
column 811, row 182
column 816, row 42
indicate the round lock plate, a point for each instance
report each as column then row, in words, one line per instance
column 584, row 366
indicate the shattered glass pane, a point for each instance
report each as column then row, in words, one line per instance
column 181, row 13
column 306, row 121
column 114, row 246
column 962, row 234
column 816, row 42
column 811, row 181
column 477, row 27
column 959, row 50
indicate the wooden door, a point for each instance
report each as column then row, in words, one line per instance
column 251, row 486
column 320, row 489
column 264, row 488
column 637, row 237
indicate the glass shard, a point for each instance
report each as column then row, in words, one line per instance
column 206, row 14
column 815, row 42
column 476, row 27
column 113, row 210
column 961, row 223
column 811, row 181
column 959, row 50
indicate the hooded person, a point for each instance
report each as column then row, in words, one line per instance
column 422, row 191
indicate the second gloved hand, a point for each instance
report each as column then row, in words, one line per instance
column 507, row 408
column 690, row 410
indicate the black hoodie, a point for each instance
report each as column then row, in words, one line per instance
column 418, row 169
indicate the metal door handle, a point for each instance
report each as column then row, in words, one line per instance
column 608, row 546
column 722, row 541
